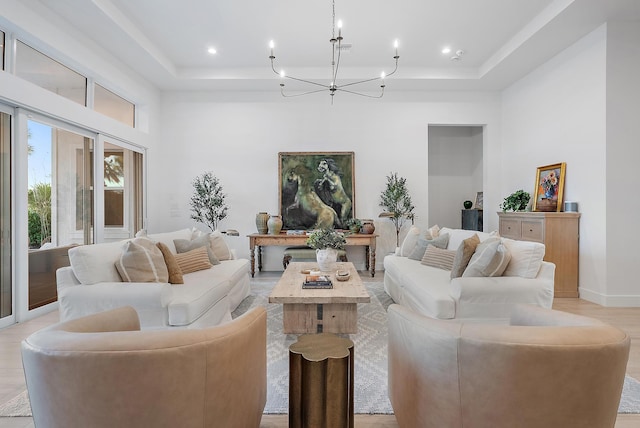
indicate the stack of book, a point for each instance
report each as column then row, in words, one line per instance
column 317, row 281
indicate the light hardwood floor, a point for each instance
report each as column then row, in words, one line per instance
column 12, row 379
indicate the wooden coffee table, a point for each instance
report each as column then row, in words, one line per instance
column 332, row 310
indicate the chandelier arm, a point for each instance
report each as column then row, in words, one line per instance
column 362, row 95
column 307, row 81
column 372, row 79
column 300, row 94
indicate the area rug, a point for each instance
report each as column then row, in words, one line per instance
column 370, row 350
column 370, row 388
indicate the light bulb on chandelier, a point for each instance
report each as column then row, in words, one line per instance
column 333, row 86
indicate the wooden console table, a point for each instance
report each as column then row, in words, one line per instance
column 257, row 241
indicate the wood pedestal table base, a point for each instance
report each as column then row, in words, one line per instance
column 321, row 382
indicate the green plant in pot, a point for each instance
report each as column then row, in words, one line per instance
column 326, row 242
column 517, row 201
column 396, row 201
column 354, row 225
column 207, row 202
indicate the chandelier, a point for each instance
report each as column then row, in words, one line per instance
column 333, row 86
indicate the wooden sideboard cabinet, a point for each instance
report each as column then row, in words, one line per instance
column 559, row 232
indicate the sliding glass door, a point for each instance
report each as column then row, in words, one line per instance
column 123, row 198
column 60, row 203
column 6, row 289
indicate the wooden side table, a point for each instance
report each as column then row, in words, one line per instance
column 321, row 382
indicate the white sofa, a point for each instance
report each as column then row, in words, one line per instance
column 431, row 291
column 92, row 284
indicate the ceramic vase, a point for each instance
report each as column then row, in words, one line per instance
column 274, row 224
column 326, row 258
column 367, row 227
column 261, row 222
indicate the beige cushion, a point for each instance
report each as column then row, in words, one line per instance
column 142, row 261
column 194, row 260
column 432, row 233
column 438, row 258
column 490, row 259
column 184, row 245
column 175, row 274
column 526, row 258
column 440, row 242
column 463, row 254
column 219, row 246
column 410, row 241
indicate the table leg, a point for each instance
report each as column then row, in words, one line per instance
column 373, row 263
column 373, row 259
column 260, row 258
column 366, row 257
column 252, row 253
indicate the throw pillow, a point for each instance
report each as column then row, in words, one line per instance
column 434, row 231
column 418, row 252
column 194, row 260
column 219, row 246
column 184, row 245
column 175, row 274
column 490, row 259
column 463, row 254
column 438, row 258
column 526, row 258
column 410, row 241
column 142, row 261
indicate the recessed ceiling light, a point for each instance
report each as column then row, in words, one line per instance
column 212, row 50
column 446, row 50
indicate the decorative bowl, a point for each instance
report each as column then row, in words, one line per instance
column 343, row 275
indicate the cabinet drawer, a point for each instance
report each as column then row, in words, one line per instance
column 533, row 230
column 510, row 228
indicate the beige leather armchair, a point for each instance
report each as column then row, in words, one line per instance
column 101, row 371
column 548, row 369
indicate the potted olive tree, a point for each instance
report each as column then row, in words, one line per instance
column 207, row 203
column 396, row 201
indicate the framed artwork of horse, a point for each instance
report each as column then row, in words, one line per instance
column 316, row 189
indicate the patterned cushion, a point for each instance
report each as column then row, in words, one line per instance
column 142, row 261
column 194, row 260
column 184, row 245
column 438, row 258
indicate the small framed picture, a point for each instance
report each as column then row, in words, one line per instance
column 479, row 200
column 549, row 187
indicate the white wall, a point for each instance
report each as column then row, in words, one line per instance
column 455, row 172
column 238, row 137
column 558, row 114
column 622, row 156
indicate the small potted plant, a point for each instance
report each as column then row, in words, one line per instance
column 354, row 225
column 326, row 242
column 517, row 201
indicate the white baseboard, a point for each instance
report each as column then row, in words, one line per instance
column 610, row 301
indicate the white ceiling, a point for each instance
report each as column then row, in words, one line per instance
column 166, row 41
